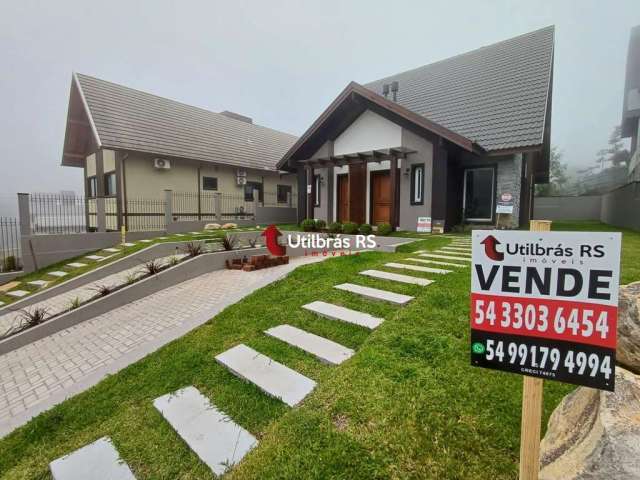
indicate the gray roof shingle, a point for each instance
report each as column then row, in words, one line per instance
column 129, row 119
column 495, row 95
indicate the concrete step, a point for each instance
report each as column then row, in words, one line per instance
column 336, row 312
column 98, row 461
column 444, row 257
column 375, row 294
column 417, row 268
column 271, row 377
column 320, row 347
column 435, row 262
column 396, row 277
column 217, row 440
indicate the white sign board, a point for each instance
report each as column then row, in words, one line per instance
column 424, row 224
column 308, row 189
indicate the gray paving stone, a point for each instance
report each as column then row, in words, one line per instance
column 58, row 274
column 320, row 347
column 97, row 461
column 18, row 293
column 435, row 262
column 94, row 257
column 444, row 257
column 271, row 377
column 417, row 268
column 217, row 440
column 375, row 293
column 38, row 283
column 76, row 265
column 396, row 277
column 336, row 312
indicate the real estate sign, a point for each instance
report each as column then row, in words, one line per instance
column 505, row 204
column 546, row 304
column 423, row 224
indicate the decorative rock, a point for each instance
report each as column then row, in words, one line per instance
column 230, row 225
column 336, row 312
column 396, row 277
column 58, row 274
column 271, row 377
column 417, row 268
column 320, row 347
column 98, row 460
column 18, row 293
column 375, row 294
column 628, row 350
column 435, row 262
column 594, row 434
column 76, row 265
column 212, row 226
column 214, row 437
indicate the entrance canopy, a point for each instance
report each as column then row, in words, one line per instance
column 358, row 157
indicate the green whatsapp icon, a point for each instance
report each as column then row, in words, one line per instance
column 478, row 348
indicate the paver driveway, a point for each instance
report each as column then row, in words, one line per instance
column 40, row 375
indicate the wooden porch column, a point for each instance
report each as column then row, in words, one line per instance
column 357, row 192
column 310, row 197
column 393, row 180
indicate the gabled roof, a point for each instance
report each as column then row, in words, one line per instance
column 122, row 118
column 495, row 95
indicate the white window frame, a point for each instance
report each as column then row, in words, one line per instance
column 417, row 184
column 493, row 194
column 316, row 188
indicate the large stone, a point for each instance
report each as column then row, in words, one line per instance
column 628, row 350
column 594, row 434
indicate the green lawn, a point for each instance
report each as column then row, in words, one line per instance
column 407, row 405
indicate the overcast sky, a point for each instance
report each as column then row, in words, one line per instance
column 281, row 63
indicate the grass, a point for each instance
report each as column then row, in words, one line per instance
column 408, row 405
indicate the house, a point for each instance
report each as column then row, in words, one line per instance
column 630, row 126
column 446, row 141
column 134, row 145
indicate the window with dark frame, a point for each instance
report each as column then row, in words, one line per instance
column 110, row 184
column 316, row 190
column 92, row 186
column 479, row 194
column 283, row 192
column 209, row 183
column 249, row 187
column 417, row 184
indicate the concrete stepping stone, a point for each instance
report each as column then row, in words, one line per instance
column 76, row 265
column 444, row 257
column 417, row 268
column 336, row 312
column 94, row 257
column 112, row 250
column 396, row 277
column 98, row 461
column 435, row 262
column 179, row 234
column 271, row 377
column 323, row 349
column 8, row 286
column 1, row 304
column 58, row 274
column 38, row 283
column 461, row 254
column 375, row 294
column 128, row 244
column 457, row 249
column 452, row 251
column 106, row 258
column 162, row 238
column 217, row 440
column 18, row 293
column 146, row 241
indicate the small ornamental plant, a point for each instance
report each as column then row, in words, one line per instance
column 335, row 227
column 320, row 224
column 365, row 229
column 308, row 225
column 384, row 229
column 350, row 228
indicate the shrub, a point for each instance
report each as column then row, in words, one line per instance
column 75, row 303
column 229, row 242
column 174, row 260
column 308, row 225
column 10, row 264
column 365, row 229
column 253, row 242
column 320, row 224
column 384, row 229
column 102, row 290
column 350, row 228
column 152, row 267
column 335, row 227
column 193, row 249
column 31, row 318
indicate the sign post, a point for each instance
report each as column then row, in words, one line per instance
column 545, row 305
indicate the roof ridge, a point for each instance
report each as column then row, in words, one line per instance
column 218, row 114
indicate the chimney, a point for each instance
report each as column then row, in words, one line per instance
column 394, row 90
column 385, row 90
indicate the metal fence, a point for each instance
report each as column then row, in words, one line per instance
column 144, row 215
column 10, row 256
column 55, row 213
column 189, row 206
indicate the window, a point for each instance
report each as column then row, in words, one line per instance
column 110, row 184
column 479, row 188
column 209, row 183
column 92, row 186
column 283, row 193
column 249, row 187
column 417, row 184
column 316, row 190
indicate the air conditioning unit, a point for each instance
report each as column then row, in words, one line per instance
column 161, row 163
column 241, row 181
column 241, row 177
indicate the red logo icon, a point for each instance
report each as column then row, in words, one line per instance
column 490, row 248
column 271, row 234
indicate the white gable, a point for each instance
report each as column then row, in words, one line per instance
column 369, row 131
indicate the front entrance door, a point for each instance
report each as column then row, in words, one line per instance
column 343, row 198
column 380, row 197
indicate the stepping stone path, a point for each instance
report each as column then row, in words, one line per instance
column 98, row 461
column 417, row 268
column 445, row 257
column 58, row 274
column 396, row 277
column 320, row 347
column 128, row 244
column 215, row 438
column 18, row 293
column 179, row 235
column 447, row 251
column 375, row 294
column 146, row 241
column 95, row 257
column 457, row 249
column 336, row 312
column 111, row 250
column 435, row 262
column 271, row 377
column 76, row 265
column 38, row 283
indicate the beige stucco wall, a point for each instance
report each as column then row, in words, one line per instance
column 109, row 160
column 91, row 165
column 424, row 155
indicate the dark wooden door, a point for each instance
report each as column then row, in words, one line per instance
column 343, row 198
column 380, row 197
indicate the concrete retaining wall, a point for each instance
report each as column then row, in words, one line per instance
column 568, row 208
column 621, row 207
